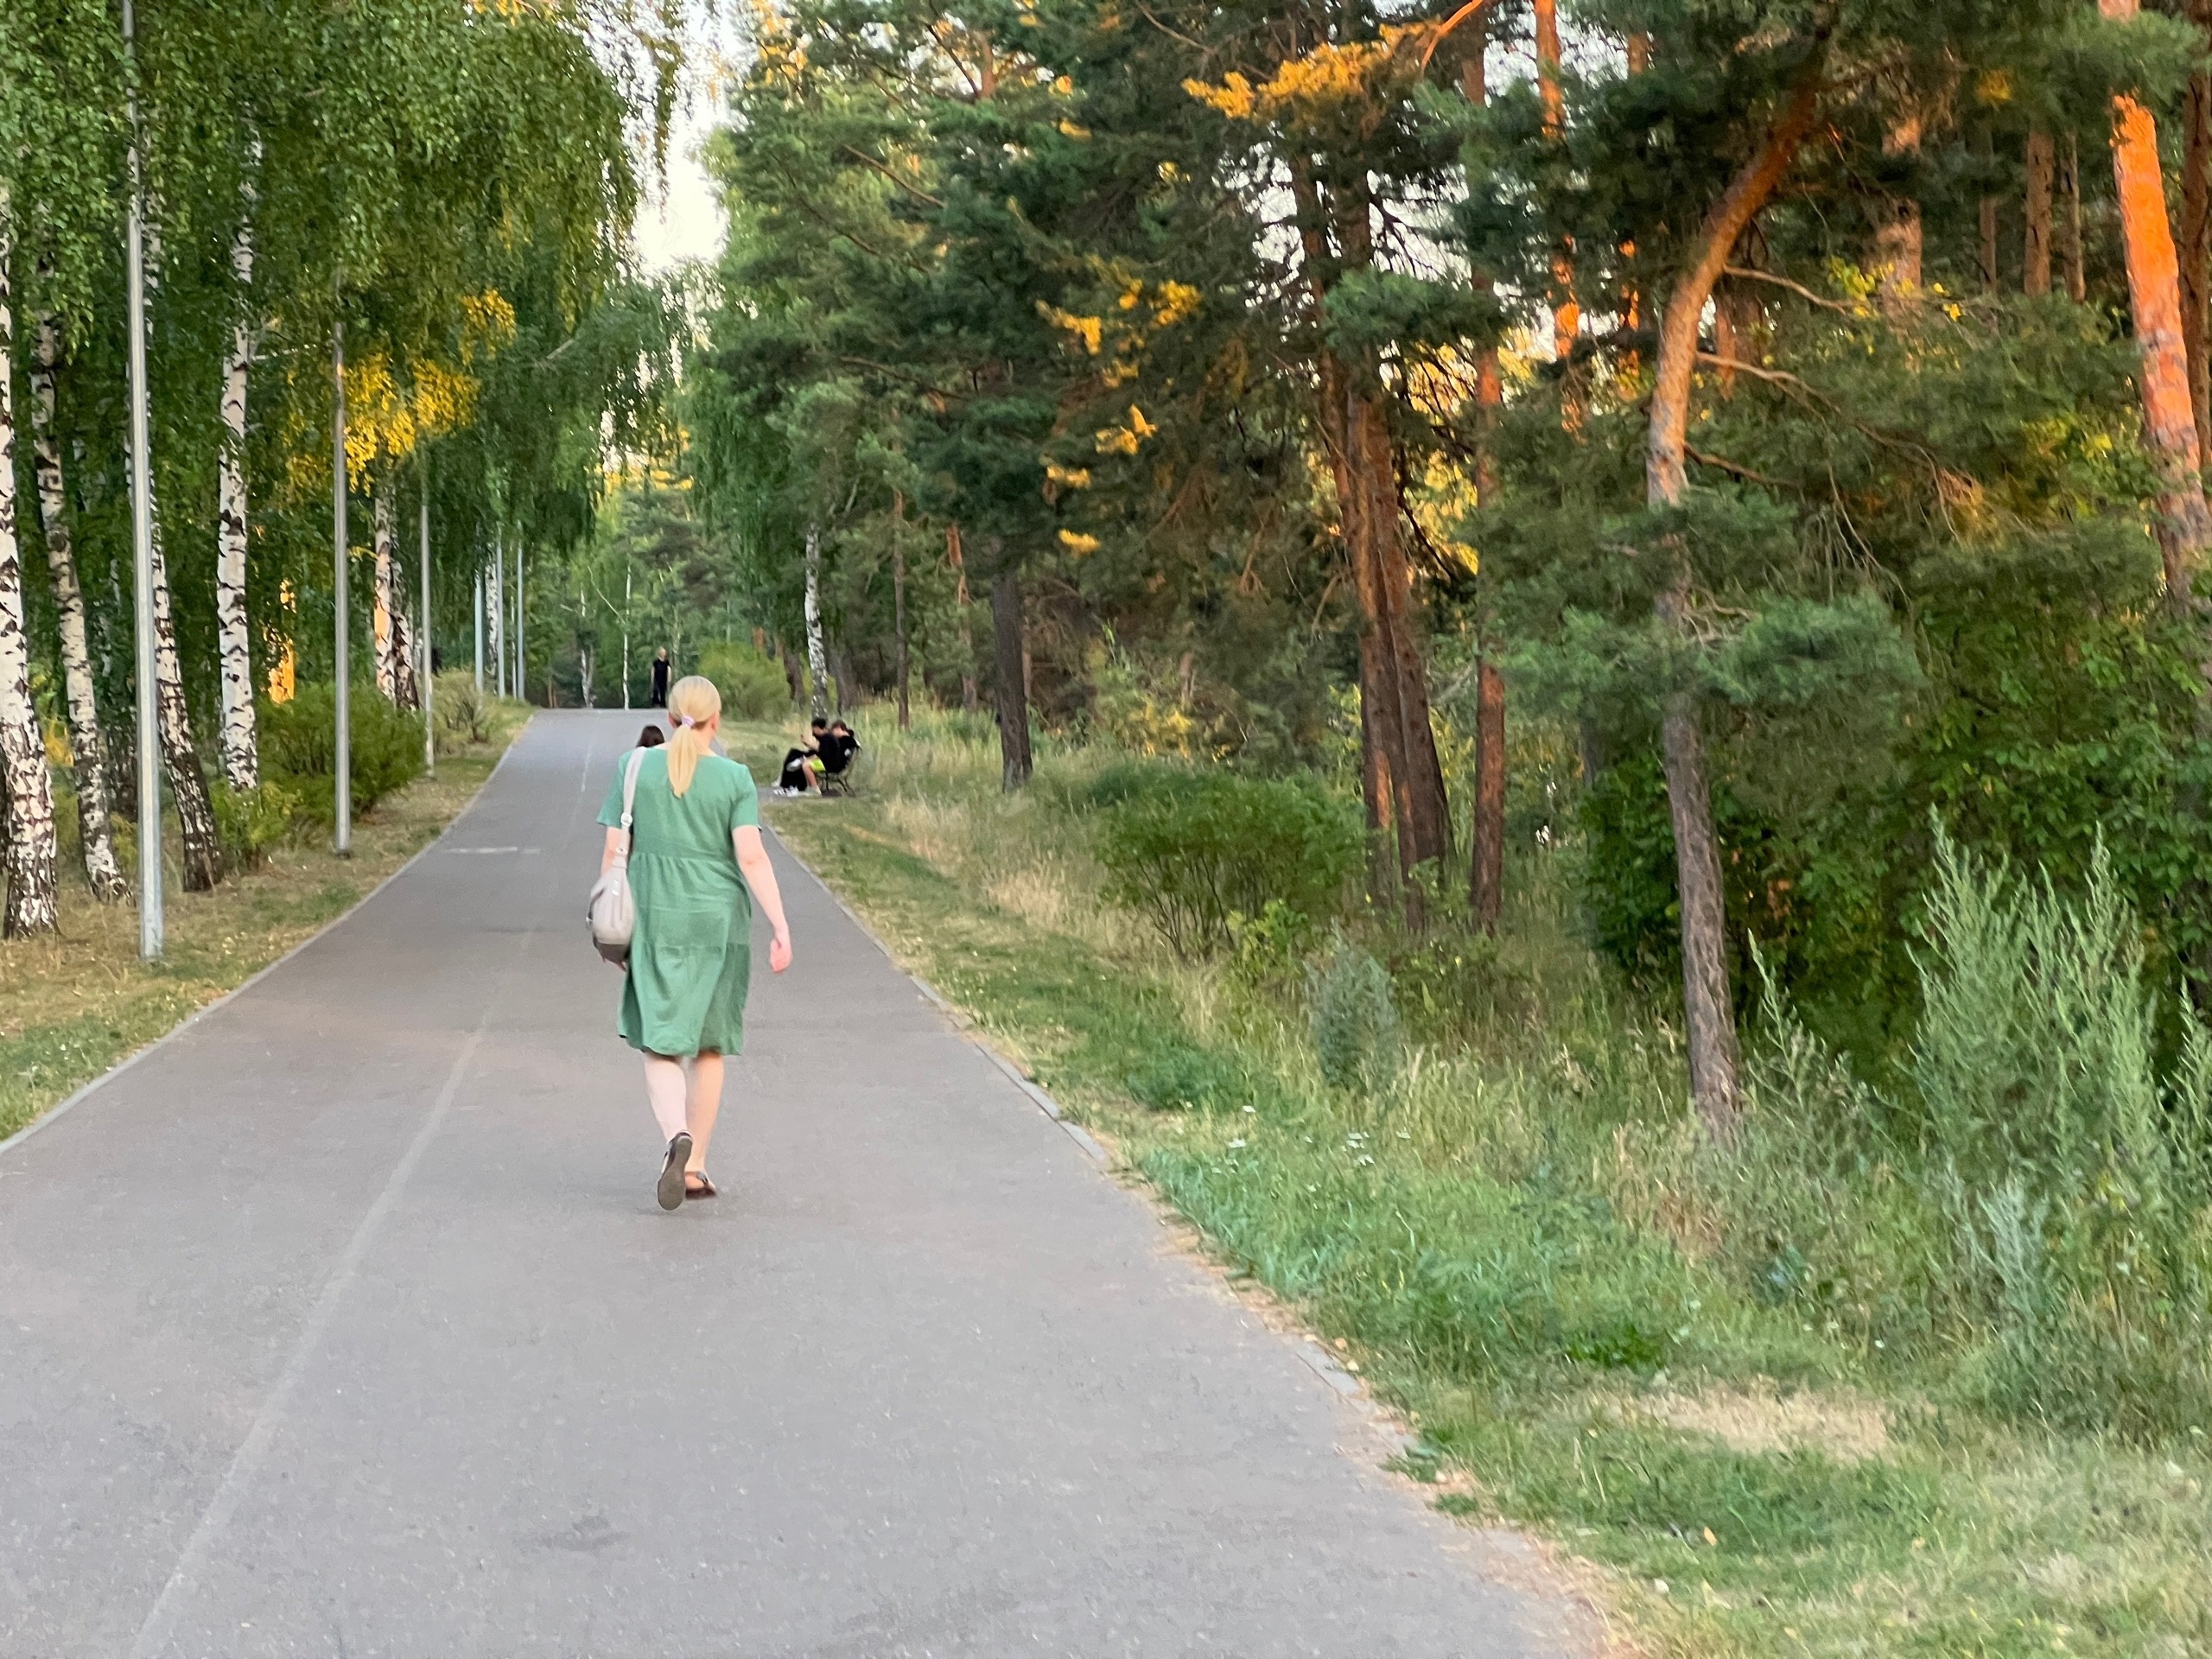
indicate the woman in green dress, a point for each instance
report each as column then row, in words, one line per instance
column 694, row 854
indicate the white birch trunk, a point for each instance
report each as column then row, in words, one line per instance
column 29, row 852
column 195, row 817
column 406, row 687
column 241, row 754
column 387, row 638
column 101, row 871
column 818, row 659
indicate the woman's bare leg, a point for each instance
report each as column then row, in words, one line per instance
column 706, row 1102
column 664, row 1089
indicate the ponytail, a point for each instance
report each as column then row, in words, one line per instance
column 692, row 701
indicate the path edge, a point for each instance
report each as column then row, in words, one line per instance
column 93, row 1087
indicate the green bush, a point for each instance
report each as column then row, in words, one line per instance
column 1355, row 1017
column 752, row 682
column 461, row 710
column 1215, row 846
column 251, row 821
column 298, row 748
column 2078, row 1177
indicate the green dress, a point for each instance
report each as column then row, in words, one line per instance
column 691, row 957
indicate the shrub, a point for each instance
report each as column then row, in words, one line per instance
column 248, row 821
column 461, row 710
column 298, row 750
column 752, row 682
column 1191, row 858
column 1355, row 1020
column 2074, row 1173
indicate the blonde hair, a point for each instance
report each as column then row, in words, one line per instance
column 692, row 701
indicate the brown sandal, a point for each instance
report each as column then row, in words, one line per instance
column 704, row 1189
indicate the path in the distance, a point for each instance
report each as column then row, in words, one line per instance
column 345, row 1324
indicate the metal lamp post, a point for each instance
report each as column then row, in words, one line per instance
column 342, row 765
column 142, row 536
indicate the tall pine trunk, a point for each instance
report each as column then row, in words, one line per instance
column 2035, row 236
column 94, row 834
column 2195, row 251
column 385, row 597
column 952, row 554
column 30, row 854
column 817, row 658
column 1709, row 1011
column 2070, row 224
column 1899, row 242
column 1009, row 664
column 240, row 747
column 898, row 600
column 2184, row 524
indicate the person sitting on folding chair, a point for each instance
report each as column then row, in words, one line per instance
column 835, row 750
column 803, row 764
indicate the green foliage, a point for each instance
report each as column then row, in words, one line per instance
column 751, row 684
column 2075, row 1172
column 1191, row 858
column 464, row 712
column 249, row 821
column 298, row 748
column 1175, row 1075
column 1355, row 1017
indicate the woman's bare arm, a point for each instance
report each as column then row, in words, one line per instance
column 760, row 876
column 617, row 839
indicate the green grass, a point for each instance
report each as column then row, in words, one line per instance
column 74, row 1005
column 1525, row 1248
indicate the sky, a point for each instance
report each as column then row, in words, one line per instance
column 680, row 219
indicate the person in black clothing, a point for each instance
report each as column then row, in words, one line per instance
column 801, row 764
column 838, row 747
column 660, row 678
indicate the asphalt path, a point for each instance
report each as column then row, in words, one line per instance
column 344, row 1323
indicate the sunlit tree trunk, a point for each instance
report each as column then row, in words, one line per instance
column 1708, row 1013
column 2184, row 524
column 2195, row 251
column 383, row 603
column 102, row 872
column 2035, row 239
column 30, row 854
column 1009, row 666
column 818, row 656
column 406, row 690
column 241, row 757
column 1899, row 241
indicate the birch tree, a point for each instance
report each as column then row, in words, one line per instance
column 241, row 754
column 79, row 696
column 30, row 852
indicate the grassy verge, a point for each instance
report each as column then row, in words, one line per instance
column 1515, row 1243
column 73, row 1005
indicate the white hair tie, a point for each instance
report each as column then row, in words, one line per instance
column 683, row 720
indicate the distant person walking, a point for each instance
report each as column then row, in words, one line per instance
column 695, row 855
column 660, row 678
